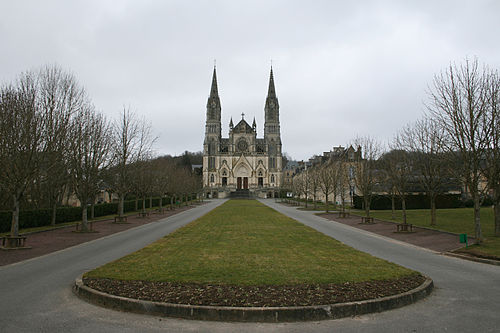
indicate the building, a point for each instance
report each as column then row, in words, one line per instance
column 242, row 163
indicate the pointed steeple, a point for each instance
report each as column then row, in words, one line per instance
column 254, row 124
column 231, row 123
column 214, row 91
column 271, row 92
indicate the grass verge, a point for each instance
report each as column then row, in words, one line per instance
column 457, row 220
column 244, row 242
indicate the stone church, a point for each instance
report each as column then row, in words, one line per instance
column 242, row 164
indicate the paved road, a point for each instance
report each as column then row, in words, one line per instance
column 35, row 295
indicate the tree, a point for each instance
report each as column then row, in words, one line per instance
column 365, row 168
column 327, row 182
column 132, row 142
column 60, row 97
column 397, row 165
column 89, row 155
column 423, row 140
column 314, row 181
column 22, row 143
column 459, row 103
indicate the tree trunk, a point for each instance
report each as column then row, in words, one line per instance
column 496, row 213
column 393, row 207
column 161, row 203
column 92, row 215
column 306, row 201
column 433, row 209
column 403, row 207
column 121, row 203
column 314, row 199
column 14, row 228
column 366, row 201
column 326, row 202
column 143, row 204
column 136, row 204
column 53, row 214
column 84, row 224
column 477, row 219
column 150, row 201
column 171, row 202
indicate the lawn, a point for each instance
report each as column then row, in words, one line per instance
column 244, row 242
column 457, row 220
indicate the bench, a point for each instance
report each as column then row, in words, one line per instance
column 13, row 241
column 404, row 227
column 120, row 219
column 143, row 214
column 90, row 225
column 344, row 214
column 367, row 219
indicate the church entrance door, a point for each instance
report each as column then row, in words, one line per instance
column 245, row 183
column 238, row 183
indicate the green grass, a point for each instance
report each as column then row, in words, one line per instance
column 247, row 243
column 457, row 220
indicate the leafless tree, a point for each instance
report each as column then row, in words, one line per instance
column 89, row 155
column 491, row 165
column 314, row 181
column 60, row 97
column 132, row 142
column 397, row 164
column 22, row 143
column 365, row 175
column 327, row 182
column 424, row 141
column 342, row 182
column 459, row 102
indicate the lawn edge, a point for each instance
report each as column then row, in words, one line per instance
column 252, row 314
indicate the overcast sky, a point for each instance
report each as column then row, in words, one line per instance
column 342, row 68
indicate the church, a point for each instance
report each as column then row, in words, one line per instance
column 242, row 165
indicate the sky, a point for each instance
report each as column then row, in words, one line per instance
column 342, row 69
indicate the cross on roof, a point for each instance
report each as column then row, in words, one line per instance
column 242, row 115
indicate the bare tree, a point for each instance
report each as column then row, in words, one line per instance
column 342, row 183
column 365, row 175
column 22, row 142
column 424, row 141
column 491, row 165
column 327, row 182
column 458, row 101
column 132, row 142
column 60, row 96
column 89, row 155
column 314, row 181
column 398, row 167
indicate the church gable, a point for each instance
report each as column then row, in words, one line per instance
column 242, row 127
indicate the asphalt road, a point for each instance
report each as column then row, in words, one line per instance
column 35, row 295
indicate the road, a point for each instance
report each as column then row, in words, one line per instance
column 35, row 295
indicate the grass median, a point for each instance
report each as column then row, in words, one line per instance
column 244, row 245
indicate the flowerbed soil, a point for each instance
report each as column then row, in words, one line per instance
column 49, row 241
column 254, row 296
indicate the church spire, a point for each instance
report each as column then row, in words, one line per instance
column 271, row 92
column 214, row 91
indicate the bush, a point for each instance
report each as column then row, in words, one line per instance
column 418, row 201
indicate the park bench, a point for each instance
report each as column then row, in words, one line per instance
column 404, row 227
column 144, row 214
column 343, row 214
column 90, row 225
column 365, row 219
column 13, row 241
column 120, row 219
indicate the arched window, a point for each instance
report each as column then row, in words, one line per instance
column 272, row 178
column 212, row 178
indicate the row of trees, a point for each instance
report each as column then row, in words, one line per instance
column 54, row 143
column 456, row 143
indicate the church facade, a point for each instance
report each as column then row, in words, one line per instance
column 242, row 162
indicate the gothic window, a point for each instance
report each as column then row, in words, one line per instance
column 211, row 147
column 211, row 162
column 224, row 181
column 260, row 173
column 272, row 178
column 272, row 162
column 212, row 178
column 224, row 173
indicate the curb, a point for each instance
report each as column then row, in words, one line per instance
column 252, row 314
column 476, row 259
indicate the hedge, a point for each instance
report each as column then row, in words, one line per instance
column 41, row 217
column 418, row 201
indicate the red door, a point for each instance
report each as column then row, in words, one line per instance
column 245, row 183
column 238, row 183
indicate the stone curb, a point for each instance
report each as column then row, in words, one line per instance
column 476, row 259
column 252, row 314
